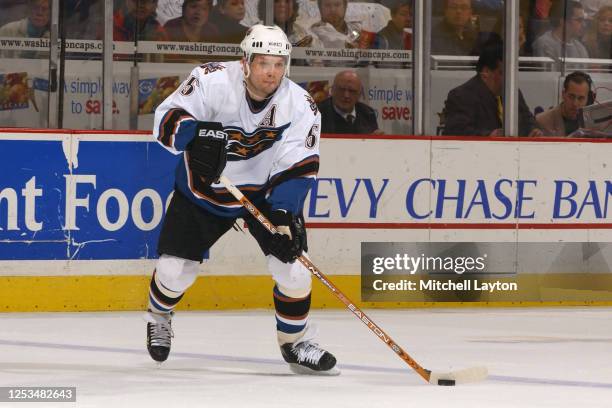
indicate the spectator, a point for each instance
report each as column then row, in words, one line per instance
column 193, row 25
column 342, row 112
column 598, row 39
column 395, row 35
column 536, row 14
column 84, row 20
column 562, row 120
column 285, row 14
column 333, row 30
column 475, row 108
column 35, row 25
column 455, row 34
column 227, row 15
column 138, row 16
column 567, row 20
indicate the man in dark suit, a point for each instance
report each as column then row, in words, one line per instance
column 342, row 112
column 475, row 108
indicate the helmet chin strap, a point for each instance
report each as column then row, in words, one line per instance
column 247, row 68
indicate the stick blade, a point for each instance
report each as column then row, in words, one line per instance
column 468, row 375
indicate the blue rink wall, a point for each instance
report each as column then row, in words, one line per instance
column 80, row 213
column 105, row 203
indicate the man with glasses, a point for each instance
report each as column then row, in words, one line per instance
column 342, row 112
column 568, row 22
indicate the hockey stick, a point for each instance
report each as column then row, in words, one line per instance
column 438, row 378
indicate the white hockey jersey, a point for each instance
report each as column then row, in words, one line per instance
column 273, row 153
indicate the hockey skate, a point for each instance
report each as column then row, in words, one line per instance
column 159, row 335
column 306, row 357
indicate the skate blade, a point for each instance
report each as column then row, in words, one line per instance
column 301, row 370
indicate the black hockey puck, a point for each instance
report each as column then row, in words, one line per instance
column 446, row 382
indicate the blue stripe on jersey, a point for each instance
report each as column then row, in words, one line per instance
column 289, row 328
column 291, row 194
column 277, row 291
column 157, row 305
column 182, row 185
column 183, row 135
column 186, row 133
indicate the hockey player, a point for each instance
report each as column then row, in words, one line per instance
column 247, row 120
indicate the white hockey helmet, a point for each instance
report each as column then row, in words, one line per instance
column 266, row 40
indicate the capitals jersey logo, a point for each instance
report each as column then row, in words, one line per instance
column 312, row 103
column 211, row 67
column 243, row 146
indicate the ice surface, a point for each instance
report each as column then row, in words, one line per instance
column 536, row 358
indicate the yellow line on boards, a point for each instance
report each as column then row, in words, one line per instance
column 114, row 293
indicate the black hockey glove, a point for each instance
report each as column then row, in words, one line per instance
column 290, row 241
column 207, row 152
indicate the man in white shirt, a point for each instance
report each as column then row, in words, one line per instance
column 568, row 21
